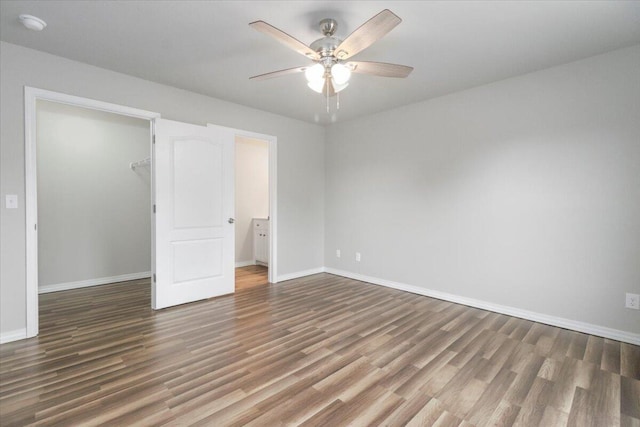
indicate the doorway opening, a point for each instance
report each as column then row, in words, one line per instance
column 83, row 199
column 256, row 144
column 251, row 212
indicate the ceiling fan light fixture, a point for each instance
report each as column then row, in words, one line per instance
column 330, row 74
column 341, row 74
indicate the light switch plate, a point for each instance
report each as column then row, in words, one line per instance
column 11, row 201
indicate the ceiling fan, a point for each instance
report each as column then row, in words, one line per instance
column 332, row 71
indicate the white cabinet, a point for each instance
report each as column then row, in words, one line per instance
column 261, row 241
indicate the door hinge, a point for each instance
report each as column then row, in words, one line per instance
column 35, row 227
column 154, row 277
column 154, row 208
column 153, row 138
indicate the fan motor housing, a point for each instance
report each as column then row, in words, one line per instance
column 326, row 45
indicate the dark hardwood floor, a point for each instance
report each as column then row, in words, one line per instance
column 320, row 350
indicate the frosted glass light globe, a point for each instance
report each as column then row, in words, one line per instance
column 315, row 73
column 340, row 73
column 338, row 87
column 317, row 85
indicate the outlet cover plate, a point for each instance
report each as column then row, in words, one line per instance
column 632, row 301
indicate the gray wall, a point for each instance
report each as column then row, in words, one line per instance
column 524, row 193
column 94, row 212
column 300, row 157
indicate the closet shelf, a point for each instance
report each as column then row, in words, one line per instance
column 144, row 162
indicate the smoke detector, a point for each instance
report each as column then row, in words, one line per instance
column 32, row 22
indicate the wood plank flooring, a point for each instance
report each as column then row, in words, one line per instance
column 315, row 351
column 251, row 276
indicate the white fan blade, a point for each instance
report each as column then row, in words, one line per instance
column 279, row 73
column 285, row 39
column 367, row 34
column 379, row 69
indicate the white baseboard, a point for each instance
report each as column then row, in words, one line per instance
column 588, row 328
column 92, row 282
column 298, row 274
column 20, row 334
column 244, row 263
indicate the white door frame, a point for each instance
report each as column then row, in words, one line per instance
column 273, row 196
column 31, row 96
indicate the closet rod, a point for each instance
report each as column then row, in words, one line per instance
column 134, row 165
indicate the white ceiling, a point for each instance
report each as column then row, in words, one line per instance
column 207, row 46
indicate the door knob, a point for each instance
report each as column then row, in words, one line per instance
column 232, row 220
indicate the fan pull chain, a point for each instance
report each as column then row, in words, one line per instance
column 327, row 80
column 338, row 101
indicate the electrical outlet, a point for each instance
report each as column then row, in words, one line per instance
column 338, row 255
column 358, row 256
column 633, row 301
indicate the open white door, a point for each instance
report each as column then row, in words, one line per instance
column 273, row 190
column 194, row 205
